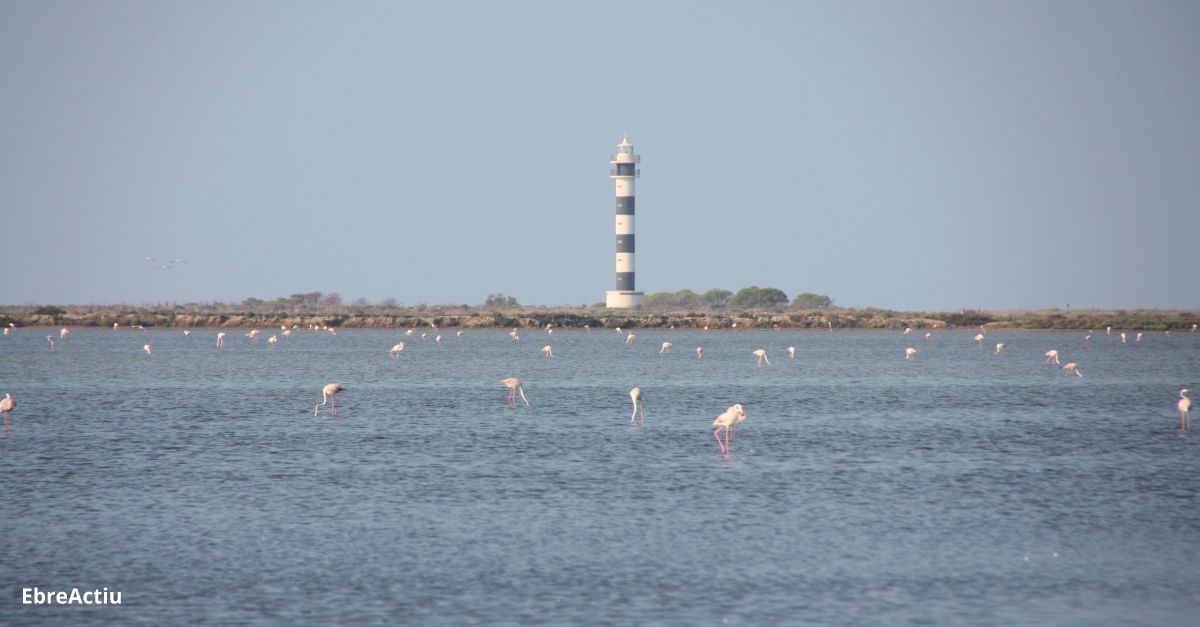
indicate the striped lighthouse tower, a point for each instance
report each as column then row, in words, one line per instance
column 624, row 171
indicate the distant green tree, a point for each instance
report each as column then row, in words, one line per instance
column 253, row 302
column 332, row 300
column 500, row 300
column 755, row 296
column 49, row 310
column 716, row 297
column 808, row 300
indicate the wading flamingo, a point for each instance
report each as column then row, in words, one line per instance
column 666, row 348
column 1122, row 337
column 636, row 395
column 629, row 338
column 410, row 332
column 395, row 351
column 1184, row 405
column 6, row 330
column 1071, row 367
column 458, row 334
column 907, row 330
column 791, row 352
column 438, row 340
column 928, row 335
column 146, row 347
column 513, row 335
column 547, row 351
column 999, row 347
column 253, row 335
column 272, row 341
column 50, row 338
column 1052, row 355
column 726, row 421
column 329, row 393
column 699, row 352
column 7, row 405
column 116, row 325
column 221, row 339
column 979, row 338
column 187, row 333
column 514, row 386
column 1139, row 337
column 64, row 333
column 287, row 335
column 762, row 356
column 909, row 352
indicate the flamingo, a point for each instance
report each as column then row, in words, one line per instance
column 1184, row 405
column 1108, row 330
column 547, row 351
column 458, row 334
column 1052, row 355
column 587, row 327
column 424, row 335
column 907, row 330
column 272, row 341
column 8, row 404
column 514, row 386
column 253, row 335
column 791, row 352
column 762, row 356
column 6, row 330
column 1193, row 328
column 629, row 338
column 116, row 325
column 979, row 338
column 1071, row 367
column 928, row 335
column 513, row 335
column 220, row 339
column 395, row 351
column 146, row 347
column 438, row 340
column 50, row 338
column 328, row 393
column 699, row 352
column 409, row 333
column 287, row 335
column 666, row 348
column 999, row 347
column 909, row 352
column 636, row 395
column 1122, row 337
column 63, row 333
column 1139, row 337
column 1087, row 338
column 187, row 333
column 732, row 416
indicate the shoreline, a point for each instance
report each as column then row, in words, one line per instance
column 819, row 320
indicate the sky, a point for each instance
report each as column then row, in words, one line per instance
column 905, row 155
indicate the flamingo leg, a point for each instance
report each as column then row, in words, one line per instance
column 724, row 447
column 642, row 412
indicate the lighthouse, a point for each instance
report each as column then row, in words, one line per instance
column 624, row 171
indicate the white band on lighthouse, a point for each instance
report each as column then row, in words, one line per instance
column 624, row 172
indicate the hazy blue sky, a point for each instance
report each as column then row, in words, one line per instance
column 910, row 155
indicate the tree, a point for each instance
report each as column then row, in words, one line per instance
column 808, row 300
column 500, row 300
column 755, row 296
column 716, row 297
column 333, row 300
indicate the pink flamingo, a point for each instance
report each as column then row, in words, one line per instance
column 64, row 333
column 146, row 347
column 8, row 404
column 394, row 353
column 513, row 334
column 329, row 393
column 629, row 338
column 699, row 352
column 909, row 352
column 999, row 347
column 636, row 395
column 272, row 341
column 762, row 356
column 666, row 348
column 1184, row 405
column 1052, row 355
column 791, row 352
column 732, row 416
column 253, row 335
column 514, row 385
column 116, row 325
column 220, row 339
column 50, row 338
column 1071, row 367
column 547, row 351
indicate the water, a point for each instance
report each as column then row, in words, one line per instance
column 961, row 487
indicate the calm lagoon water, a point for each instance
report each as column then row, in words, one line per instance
column 960, row 488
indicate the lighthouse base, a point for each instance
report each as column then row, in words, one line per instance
column 624, row 300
